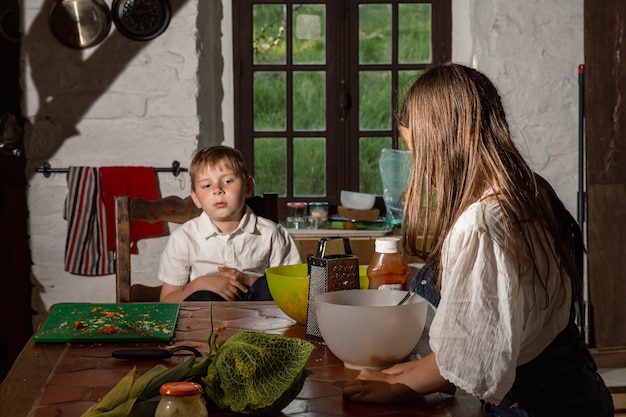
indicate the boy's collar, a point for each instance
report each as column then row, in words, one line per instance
column 248, row 221
column 247, row 224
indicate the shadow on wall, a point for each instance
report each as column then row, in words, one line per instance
column 65, row 95
column 82, row 87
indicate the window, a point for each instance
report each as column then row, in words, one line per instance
column 316, row 85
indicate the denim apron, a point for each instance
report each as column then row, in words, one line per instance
column 561, row 382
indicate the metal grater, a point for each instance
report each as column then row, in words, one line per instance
column 329, row 273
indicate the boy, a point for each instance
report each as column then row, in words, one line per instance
column 222, row 254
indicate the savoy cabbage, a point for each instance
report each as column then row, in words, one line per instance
column 257, row 373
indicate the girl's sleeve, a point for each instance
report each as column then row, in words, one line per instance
column 476, row 332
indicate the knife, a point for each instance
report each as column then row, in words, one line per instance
column 147, row 354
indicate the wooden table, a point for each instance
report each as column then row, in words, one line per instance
column 65, row 379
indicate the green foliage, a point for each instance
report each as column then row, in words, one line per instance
column 270, row 166
column 309, row 174
column 369, row 171
column 269, row 101
column 268, row 28
column 309, row 100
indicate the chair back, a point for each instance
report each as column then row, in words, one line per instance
column 172, row 209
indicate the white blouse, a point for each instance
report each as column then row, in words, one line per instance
column 485, row 326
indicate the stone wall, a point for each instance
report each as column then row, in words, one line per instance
column 122, row 102
column 125, row 102
column 532, row 51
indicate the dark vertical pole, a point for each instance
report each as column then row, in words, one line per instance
column 585, row 313
column 581, row 144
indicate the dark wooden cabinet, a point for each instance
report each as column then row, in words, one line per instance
column 15, row 308
column 605, row 128
column 15, row 263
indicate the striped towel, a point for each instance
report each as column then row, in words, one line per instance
column 85, row 245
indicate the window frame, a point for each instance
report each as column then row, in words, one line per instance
column 342, row 72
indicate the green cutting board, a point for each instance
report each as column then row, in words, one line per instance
column 114, row 323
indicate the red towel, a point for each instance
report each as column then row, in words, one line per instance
column 135, row 182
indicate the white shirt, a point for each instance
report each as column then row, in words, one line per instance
column 197, row 248
column 485, row 326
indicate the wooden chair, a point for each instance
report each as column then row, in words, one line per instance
column 171, row 209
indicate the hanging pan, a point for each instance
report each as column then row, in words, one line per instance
column 141, row 20
column 80, row 24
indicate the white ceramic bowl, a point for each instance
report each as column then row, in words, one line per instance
column 367, row 329
column 357, row 201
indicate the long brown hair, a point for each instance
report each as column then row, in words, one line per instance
column 462, row 146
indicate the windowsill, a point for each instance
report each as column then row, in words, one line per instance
column 362, row 246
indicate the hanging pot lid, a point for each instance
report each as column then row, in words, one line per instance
column 80, row 24
column 141, row 20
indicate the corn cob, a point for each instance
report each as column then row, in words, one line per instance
column 113, row 398
column 138, row 397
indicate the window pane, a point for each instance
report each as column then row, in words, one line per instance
column 405, row 81
column 375, row 100
column 270, row 100
column 309, row 167
column 309, row 34
column 268, row 34
column 375, row 34
column 414, row 33
column 369, row 171
column 309, row 100
column 270, row 166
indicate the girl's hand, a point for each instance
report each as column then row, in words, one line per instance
column 400, row 368
column 371, row 375
column 399, row 383
column 377, row 387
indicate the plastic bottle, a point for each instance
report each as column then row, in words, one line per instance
column 388, row 269
column 181, row 399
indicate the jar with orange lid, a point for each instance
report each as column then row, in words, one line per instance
column 181, row 399
column 388, row 269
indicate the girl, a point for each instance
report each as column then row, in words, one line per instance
column 504, row 329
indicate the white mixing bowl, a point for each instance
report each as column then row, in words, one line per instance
column 367, row 329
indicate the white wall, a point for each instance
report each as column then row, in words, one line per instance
column 532, row 50
column 148, row 113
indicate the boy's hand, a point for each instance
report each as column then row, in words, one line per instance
column 226, row 284
column 237, row 275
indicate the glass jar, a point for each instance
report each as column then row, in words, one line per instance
column 388, row 269
column 297, row 214
column 181, row 399
column 319, row 214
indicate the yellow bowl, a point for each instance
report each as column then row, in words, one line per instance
column 289, row 286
